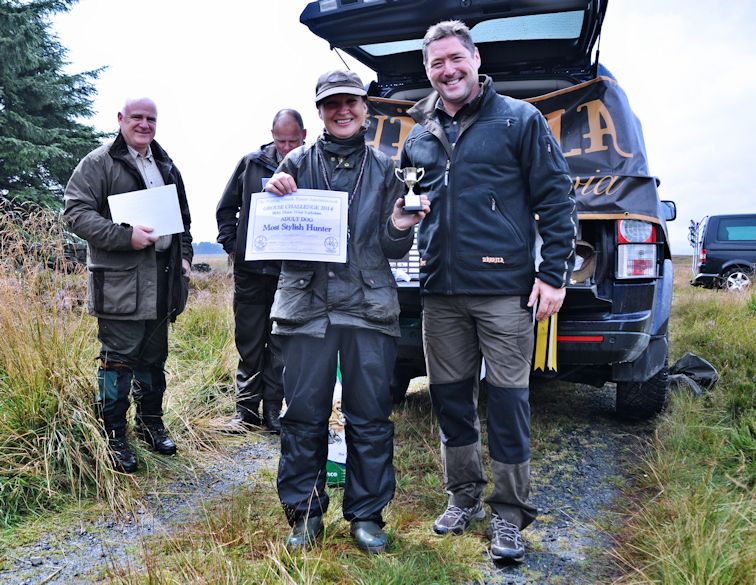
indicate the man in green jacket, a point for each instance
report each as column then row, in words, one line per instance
column 138, row 282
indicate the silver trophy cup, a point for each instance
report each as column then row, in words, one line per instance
column 410, row 177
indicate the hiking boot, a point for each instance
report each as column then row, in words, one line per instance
column 304, row 532
column 121, row 455
column 369, row 536
column 156, row 437
column 506, row 541
column 456, row 519
column 271, row 415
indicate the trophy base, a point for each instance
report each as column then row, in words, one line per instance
column 412, row 204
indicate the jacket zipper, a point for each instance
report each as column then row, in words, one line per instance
column 506, row 219
column 449, row 257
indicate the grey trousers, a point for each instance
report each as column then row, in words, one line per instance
column 457, row 330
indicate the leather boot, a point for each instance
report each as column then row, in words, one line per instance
column 304, row 532
column 121, row 455
column 271, row 416
column 247, row 413
column 155, row 435
column 369, row 536
column 149, row 387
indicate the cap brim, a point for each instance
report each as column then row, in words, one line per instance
column 351, row 90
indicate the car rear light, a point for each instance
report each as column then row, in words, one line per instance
column 636, row 249
column 633, row 231
column 702, row 256
column 636, row 261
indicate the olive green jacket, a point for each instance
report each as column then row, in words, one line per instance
column 122, row 282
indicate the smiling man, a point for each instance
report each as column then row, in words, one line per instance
column 137, row 281
column 491, row 165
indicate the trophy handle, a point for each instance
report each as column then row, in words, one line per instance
column 398, row 174
column 420, row 173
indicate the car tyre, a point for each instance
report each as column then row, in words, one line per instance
column 643, row 400
column 737, row 279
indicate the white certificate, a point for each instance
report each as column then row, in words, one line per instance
column 308, row 224
column 157, row 208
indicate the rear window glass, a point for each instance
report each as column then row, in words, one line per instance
column 561, row 25
column 737, row 229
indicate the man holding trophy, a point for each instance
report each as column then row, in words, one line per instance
column 490, row 166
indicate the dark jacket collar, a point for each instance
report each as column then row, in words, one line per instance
column 119, row 149
column 269, row 154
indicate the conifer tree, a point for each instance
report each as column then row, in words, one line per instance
column 41, row 135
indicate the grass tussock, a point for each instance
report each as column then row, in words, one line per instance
column 51, row 448
column 692, row 511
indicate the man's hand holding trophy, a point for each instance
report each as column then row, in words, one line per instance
column 410, row 177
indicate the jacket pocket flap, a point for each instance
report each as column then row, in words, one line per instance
column 110, row 268
column 297, row 279
column 378, row 278
column 114, row 292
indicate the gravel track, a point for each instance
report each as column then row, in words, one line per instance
column 83, row 552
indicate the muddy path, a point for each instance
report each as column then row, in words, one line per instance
column 581, row 456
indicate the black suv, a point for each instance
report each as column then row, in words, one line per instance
column 724, row 251
column 613, row 325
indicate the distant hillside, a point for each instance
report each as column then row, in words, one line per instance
column 207, row 248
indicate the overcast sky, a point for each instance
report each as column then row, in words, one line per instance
column 220, row 70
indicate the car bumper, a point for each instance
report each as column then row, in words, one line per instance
column 583, row 337
column 705, row 280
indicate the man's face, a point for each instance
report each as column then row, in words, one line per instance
column 287, row 135
column 453, row 72
column 137, row 123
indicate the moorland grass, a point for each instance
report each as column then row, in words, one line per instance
column 50, row 446
column 52, row 452
column 690, row 517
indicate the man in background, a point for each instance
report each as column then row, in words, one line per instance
column 260, row 369
column 138, row 282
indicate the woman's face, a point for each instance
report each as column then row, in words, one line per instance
column 343, row 114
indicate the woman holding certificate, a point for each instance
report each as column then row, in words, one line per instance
column 331, row 313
